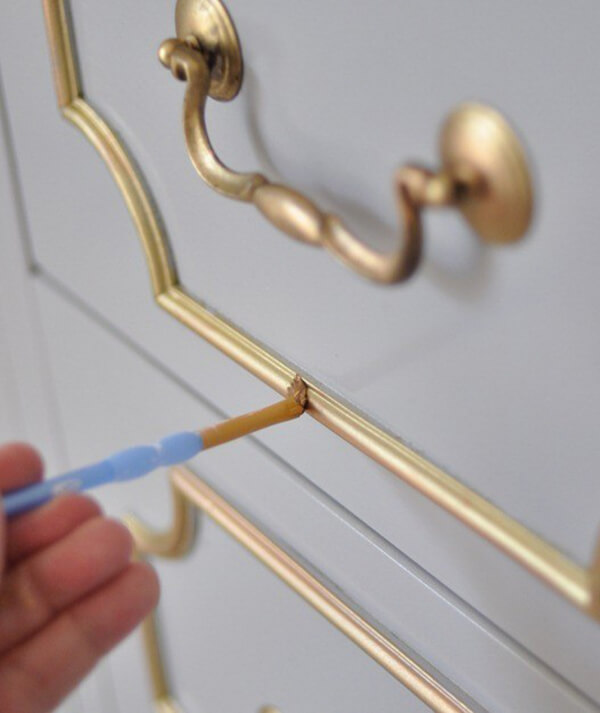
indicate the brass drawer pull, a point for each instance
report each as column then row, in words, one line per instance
column 483, row 170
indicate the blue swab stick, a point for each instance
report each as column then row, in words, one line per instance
column 124, row 465
column 139, row 460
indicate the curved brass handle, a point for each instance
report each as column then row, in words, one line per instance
column 483, row 172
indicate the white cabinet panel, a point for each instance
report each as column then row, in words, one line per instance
column 9, row 413
column 71, row 705
column 26, row 409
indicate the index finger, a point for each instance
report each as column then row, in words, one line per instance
column 20, row 465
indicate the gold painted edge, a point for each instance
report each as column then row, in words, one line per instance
column 191, row 492
column 137, row 198
column 174, row 543
column 517, row 541
column 579, row 585
column 62, row 54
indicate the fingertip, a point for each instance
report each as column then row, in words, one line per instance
column 79, row 507
column 68, row 647
column 121, row 605
column 115, row 537
column 42, row 527
column 148, row 585
column 83, row 561
column 24, row 453
column 20, row 464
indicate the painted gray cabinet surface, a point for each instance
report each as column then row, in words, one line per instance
column 486, row 361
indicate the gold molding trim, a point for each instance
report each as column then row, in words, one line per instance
column 191, row 493
column 580, row 585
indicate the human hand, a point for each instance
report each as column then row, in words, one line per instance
column 68, row 591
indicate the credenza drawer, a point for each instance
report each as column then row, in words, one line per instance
column 466, row 356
